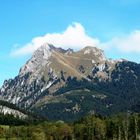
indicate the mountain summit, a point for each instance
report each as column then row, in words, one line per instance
column 64, row 84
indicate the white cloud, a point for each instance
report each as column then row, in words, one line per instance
column 127, row 44
column 73, row 37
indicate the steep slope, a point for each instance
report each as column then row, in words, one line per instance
column 63, row 84
column 48, row 66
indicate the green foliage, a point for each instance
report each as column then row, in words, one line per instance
column 91, row 127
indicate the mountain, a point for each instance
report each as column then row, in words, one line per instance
column 65, row 85
column 11, row 109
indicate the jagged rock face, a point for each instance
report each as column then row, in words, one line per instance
column 54, row 70
column 39, row 59
column 11, row 109
column 6, row 110
column 126, row 79
column 50, row 66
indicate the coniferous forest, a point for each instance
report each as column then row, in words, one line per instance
column 91, row 127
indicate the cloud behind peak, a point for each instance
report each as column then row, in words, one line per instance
column 74, row 37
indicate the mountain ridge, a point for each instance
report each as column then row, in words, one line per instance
column 51, row 77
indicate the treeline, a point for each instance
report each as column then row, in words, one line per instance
column 11, row 120
column 91, row 127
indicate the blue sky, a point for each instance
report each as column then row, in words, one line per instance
column 114, row 23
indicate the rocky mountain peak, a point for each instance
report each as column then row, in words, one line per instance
column 92, row 49
column 69, row 51
column 39, row 58
column 63, row 80
column 43, row 51
column 94, row 52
